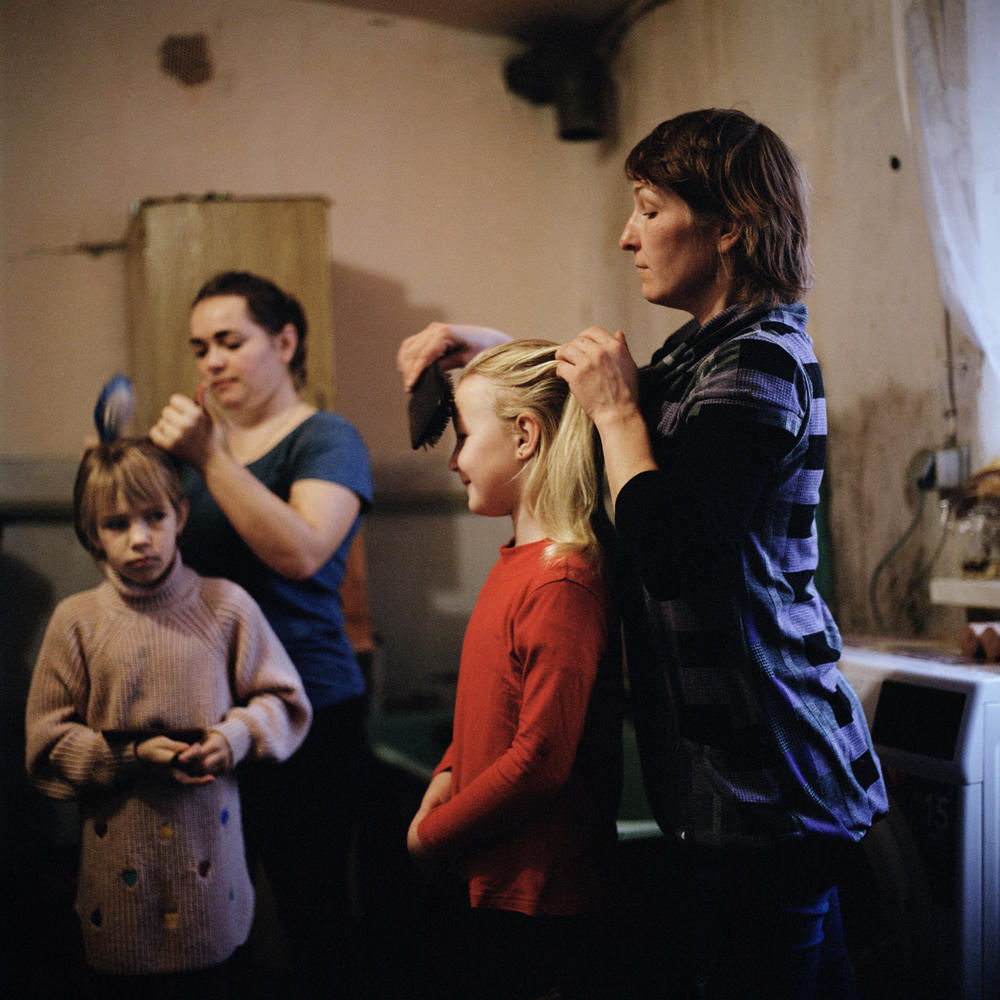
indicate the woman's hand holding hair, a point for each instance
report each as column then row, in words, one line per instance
column 294, row 538
column 456, row 344
column 603, row 377
column 90, row 442
column 601, row 373
column 188, row 430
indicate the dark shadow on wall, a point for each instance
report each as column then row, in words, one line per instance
column 871, row 504
column 371, row 316
column 418, row 531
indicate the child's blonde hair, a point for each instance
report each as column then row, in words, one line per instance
column 563, row 485
column 129, row 469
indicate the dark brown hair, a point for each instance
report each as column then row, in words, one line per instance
column 730, row 168
column 268, row 306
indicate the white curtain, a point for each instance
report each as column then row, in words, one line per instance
column 953, row 50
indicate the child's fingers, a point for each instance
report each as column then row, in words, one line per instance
column 190, row 760
column 183, row 778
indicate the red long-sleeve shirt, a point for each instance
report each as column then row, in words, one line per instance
column 536, row 748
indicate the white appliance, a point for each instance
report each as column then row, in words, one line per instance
column 935, row 862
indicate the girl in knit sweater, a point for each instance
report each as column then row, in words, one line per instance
column 523, row 803
column 148, row 690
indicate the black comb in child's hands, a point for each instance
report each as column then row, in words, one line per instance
column 114, row 408
column 430, row 408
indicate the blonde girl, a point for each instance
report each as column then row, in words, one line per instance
column 523, row 803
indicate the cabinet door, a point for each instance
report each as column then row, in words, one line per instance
column 176, row 245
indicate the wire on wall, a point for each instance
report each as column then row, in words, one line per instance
column 921, row 471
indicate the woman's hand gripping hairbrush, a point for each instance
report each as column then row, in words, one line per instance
column 189, row 429
column 455, row 344
column 422, row 360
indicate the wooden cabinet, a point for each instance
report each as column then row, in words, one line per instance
column 175, row 245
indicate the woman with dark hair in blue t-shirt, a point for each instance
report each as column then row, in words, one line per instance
column 277, row 489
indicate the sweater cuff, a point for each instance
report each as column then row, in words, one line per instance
column 236, row 734
column 124, row 757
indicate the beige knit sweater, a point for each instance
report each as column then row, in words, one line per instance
column 163, row 881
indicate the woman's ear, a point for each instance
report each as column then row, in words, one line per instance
column 529, row 432
column 288, row 341
column 730, row 232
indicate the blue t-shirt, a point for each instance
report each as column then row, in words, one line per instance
column 306, row 614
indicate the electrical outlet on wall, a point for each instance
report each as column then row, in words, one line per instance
column 951, row 467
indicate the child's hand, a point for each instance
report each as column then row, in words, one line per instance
column 216, row 754
column 183, row 759
column 438, row 792
column 433, row 865
column 414, row 845
column 436, row 866
column 211, row 756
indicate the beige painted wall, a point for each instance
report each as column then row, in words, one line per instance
column 442, row 185
column 453, row 199
column 824, row 77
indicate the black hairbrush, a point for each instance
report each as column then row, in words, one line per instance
column 431, row 406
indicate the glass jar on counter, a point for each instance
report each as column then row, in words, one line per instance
column 973, row 542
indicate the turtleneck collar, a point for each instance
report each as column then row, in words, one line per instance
column 174, row 585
